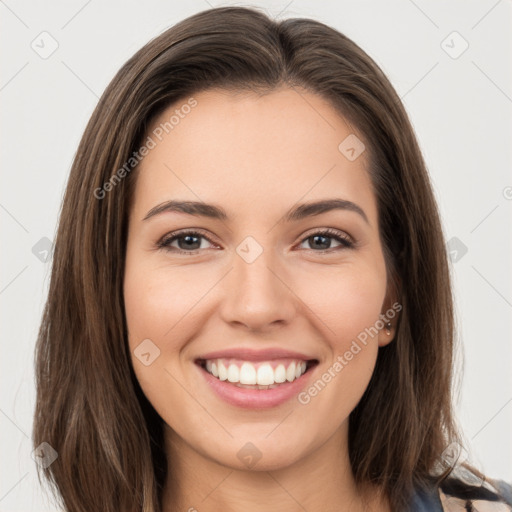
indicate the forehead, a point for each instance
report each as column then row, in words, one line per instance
column 247, row 149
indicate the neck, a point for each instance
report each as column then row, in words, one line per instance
column 322, row 480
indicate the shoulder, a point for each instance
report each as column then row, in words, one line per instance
column 464, row 491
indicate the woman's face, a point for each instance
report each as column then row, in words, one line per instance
column 262, row 293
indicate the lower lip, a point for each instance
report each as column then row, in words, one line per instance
column 256, row 398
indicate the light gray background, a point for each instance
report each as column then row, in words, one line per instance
column 461, row 109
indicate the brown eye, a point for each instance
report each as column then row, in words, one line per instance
column 323, row 240
column 188, row 242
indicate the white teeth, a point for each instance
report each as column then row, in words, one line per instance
column 233, row 373
column 280, row 373
column 290, row 373
column 247, row 375
column 265, row 375
column 223, row 373
column 300, row 369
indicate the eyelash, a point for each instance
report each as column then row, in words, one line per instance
column 164, row 242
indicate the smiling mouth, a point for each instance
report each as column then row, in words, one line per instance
column 259, row 375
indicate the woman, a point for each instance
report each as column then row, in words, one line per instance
column 250, row 303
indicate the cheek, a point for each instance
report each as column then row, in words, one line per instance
column 347, row 300
column 156, row 315
column 354, row 307
column 166, row 306
column 158, row 300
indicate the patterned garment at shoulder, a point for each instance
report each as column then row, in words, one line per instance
column 464, row 491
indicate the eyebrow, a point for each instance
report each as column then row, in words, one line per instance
column 302, row 211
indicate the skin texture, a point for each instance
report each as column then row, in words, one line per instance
column 256, row 157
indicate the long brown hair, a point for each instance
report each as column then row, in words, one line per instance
column 90, row 408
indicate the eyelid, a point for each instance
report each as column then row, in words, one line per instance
column 328, row 231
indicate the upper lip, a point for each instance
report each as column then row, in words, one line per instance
column 249, row 354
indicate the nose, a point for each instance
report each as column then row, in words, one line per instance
column 257, row 295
